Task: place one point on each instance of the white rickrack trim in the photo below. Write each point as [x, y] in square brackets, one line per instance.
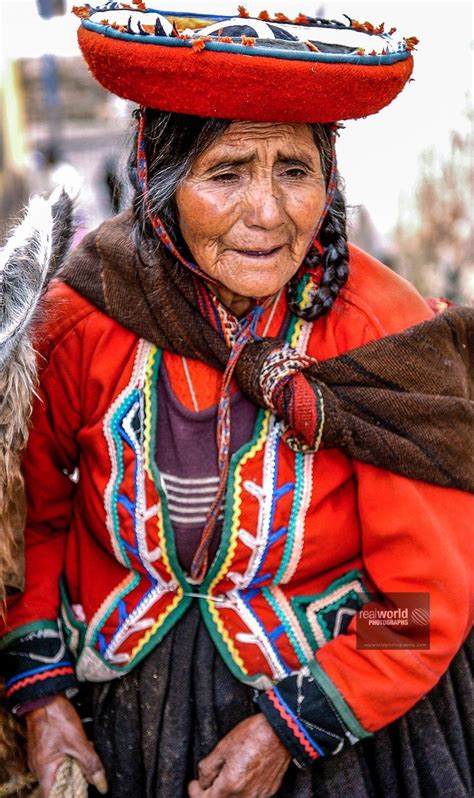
[300, 522]
[136, 381]
[292, 620]
[264, 496]
[325, 601]
[128, 627]
[256, 635]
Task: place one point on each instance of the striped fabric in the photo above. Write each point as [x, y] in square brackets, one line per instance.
[189, 499]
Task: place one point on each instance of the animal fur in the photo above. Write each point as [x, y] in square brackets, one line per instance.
[28, 261]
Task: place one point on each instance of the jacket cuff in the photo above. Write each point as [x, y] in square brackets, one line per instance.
[305, 718]
[30, 706]
[36, 664]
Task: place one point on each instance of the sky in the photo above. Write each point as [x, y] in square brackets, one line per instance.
[378, 156]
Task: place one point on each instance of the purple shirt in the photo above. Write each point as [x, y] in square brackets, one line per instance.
[186, 455]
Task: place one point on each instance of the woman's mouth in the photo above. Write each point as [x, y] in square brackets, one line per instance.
[259, 253]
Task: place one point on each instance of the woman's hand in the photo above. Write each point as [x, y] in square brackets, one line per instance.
[249, 762]
[54, 732]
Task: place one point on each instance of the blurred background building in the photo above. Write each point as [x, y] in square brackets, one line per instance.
[409, 171]
[58, 125]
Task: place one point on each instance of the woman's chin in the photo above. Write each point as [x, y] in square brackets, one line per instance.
[264, 279]
[256, 290]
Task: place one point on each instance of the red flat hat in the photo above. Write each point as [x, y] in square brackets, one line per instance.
[265, 70]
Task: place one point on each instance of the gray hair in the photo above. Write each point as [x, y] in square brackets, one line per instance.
[172, 144]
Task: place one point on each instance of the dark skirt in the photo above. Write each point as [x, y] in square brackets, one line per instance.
[152, 726]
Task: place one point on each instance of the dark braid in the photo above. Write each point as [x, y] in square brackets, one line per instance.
[334, 261]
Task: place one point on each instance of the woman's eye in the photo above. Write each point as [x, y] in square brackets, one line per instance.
[295, 171]
[226, 177]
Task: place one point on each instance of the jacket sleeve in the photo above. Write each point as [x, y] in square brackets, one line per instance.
[35, 661]
[416, 539]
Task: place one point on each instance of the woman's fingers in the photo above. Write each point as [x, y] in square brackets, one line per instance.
[99, 780]
[90, 764]
[47, 775]
[54, 732]
[249, 762]
[209, 768]
[46, 778]
[194, 790]
[223, 789]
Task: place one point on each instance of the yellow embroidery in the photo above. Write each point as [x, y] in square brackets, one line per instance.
[147, 432]
[159, 621]
[299, 324]
[296, 333]
[149, 391]
[108, 604]
[234, 532]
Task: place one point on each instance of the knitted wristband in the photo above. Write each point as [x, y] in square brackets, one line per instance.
[36, 664]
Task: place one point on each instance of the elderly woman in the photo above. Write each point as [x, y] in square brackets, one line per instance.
[217, 494]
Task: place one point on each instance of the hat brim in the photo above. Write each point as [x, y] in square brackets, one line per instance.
[231, 81]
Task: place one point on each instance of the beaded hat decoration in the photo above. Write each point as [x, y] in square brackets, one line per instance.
[268, 69]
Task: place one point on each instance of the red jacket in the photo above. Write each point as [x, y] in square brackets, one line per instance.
[306, 537]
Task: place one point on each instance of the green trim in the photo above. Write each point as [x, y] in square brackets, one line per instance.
[161, 632]
[291, 534]
[291, 328]
[78, 626]
[92, 633]
[300, 605]
[300, 288]
[168, 533]
[286, 624]
[66, 603]
[154, 640]
[337, 699]
[225, 653]
[334, 606]
[235, 460]
[129, 399]
[21, 631]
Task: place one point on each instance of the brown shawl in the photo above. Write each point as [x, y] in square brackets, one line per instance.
[401, 403]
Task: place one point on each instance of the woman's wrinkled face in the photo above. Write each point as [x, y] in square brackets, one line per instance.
[249, 207]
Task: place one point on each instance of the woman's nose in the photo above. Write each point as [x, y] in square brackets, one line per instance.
[264, 205]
